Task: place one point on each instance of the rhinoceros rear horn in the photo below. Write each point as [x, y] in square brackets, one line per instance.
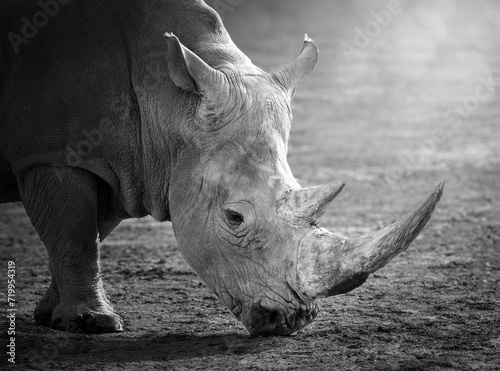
[190, 72]
[300, 67]
[331, 264]
[304, 207]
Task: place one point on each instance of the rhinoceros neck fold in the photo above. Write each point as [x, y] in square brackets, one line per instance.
[165, 111]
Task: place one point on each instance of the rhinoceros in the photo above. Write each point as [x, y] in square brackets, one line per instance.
[87, 140]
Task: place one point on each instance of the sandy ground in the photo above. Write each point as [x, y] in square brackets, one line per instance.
[435, 307]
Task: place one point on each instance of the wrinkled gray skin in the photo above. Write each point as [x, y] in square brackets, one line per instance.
[203, 145]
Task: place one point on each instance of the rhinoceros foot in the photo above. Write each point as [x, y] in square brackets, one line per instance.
[46, 306]
[80, 318]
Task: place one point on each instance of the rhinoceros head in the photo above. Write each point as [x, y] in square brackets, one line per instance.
[241, 219]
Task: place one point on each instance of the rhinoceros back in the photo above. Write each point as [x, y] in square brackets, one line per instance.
[60, 83]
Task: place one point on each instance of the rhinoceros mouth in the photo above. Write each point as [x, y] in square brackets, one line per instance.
[266, 321]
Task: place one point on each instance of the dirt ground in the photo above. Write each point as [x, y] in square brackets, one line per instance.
[434, 307]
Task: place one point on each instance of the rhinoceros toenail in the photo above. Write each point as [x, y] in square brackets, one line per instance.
[56, 323]
[74, 326]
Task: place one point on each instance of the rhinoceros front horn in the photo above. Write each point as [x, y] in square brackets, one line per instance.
[331, 264]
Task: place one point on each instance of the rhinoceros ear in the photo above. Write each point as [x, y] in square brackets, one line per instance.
[300, 67]
[190, 72]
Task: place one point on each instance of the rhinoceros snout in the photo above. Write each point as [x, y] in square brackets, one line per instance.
[265, 321]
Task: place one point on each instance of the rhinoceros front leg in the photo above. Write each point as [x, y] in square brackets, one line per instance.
[64, 213]
[46, 305]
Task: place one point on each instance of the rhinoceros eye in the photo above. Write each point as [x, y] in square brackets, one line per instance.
[234, 218]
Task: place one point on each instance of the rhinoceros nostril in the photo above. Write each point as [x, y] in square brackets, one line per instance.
[274, 316]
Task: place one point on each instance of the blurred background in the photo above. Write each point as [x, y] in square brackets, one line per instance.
[404, 94]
